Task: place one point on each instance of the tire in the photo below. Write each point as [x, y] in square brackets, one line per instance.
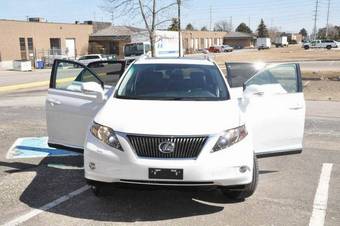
[328, 47]
[306, 47]
[96, 189]
[95, 186]
[248, 190]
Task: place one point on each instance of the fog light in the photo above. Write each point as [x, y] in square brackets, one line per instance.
[92, 165]
[244, 169]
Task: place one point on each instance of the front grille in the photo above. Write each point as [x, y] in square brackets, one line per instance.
[185, 147]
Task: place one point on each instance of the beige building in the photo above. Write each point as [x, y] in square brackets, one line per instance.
[29, 40]
[194, 41]
[112, 39]
[239, 40]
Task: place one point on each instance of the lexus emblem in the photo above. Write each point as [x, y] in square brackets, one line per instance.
[166, 147]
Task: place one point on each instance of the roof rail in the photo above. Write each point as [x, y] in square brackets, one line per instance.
[208, 57]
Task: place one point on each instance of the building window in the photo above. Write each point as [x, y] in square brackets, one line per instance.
[30, 47]
[23, 53]
[202, 43]
[55, 46]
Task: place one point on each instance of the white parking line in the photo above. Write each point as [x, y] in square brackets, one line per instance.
[48, 206]
[321, 197]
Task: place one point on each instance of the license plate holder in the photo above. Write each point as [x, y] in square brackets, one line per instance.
[159, 173]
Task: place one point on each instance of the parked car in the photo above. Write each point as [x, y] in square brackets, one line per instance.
[220, 49]
[226, 48]
[328, 44]
[86, 59]
[175, 122]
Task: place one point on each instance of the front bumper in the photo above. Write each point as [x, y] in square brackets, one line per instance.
[221, 168]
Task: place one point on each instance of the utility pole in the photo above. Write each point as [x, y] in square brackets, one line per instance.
[210, 18]
[249, 21]
[327, 26]
[315, 17]
[179, 28]
[112, 18]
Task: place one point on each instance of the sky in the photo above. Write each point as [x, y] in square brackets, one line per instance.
[286, 15]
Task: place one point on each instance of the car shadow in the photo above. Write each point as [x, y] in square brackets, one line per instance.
[59, 176]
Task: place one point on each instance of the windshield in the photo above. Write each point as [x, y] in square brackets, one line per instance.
[173, 82]
[135, 49]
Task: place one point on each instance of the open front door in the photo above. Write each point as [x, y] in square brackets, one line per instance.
[70, 108]
[276, 109]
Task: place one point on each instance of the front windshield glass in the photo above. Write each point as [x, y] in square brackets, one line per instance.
[173, 82]
[135, 49]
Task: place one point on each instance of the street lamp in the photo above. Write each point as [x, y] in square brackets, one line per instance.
[179, 27]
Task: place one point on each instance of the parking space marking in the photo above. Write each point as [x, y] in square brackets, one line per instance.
[321, 196]
[46, 207]
[10, 88]
[35, 147]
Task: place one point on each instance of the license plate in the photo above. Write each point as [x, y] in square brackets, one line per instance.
[173, 174]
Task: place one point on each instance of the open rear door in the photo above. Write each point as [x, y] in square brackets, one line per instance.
[276, 109]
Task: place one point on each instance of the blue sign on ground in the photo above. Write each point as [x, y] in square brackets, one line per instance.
[35, 147]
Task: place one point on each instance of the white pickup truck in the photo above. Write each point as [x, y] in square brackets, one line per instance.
[328, 44]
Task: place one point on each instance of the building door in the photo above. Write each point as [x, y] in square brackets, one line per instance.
[70, 48]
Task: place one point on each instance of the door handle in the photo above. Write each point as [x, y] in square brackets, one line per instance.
[53, 101]
[296, 107]
[260, 93]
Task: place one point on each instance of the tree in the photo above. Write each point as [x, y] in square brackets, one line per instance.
[204, 28]
[262, 31]
[174, 25]
[333, 33]
[303, 32]
[223, 25]
[243, 28]
[151, 14]
[189, 27]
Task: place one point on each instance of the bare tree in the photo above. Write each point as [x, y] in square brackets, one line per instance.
[152, 14]
[223, 25]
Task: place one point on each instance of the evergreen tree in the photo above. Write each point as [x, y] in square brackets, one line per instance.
[243, 28]
[262, 31]
[174, 25]
[189, 27]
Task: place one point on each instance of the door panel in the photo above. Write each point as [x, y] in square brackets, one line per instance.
[276, 110]
[68, 116]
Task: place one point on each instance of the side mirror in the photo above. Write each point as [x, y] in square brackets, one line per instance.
[253, 90]
[93, 87]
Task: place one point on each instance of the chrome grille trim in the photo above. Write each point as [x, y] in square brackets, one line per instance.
[185, 147]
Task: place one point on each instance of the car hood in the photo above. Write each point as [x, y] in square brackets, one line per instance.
[169, 117]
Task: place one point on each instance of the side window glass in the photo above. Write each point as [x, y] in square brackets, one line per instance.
[70, 76]
[147, 48]
[284, 75]
[108, 72]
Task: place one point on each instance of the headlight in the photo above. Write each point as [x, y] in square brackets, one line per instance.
[230, 137]
[106, 135]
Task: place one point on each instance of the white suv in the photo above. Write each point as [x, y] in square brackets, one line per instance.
[175, 122]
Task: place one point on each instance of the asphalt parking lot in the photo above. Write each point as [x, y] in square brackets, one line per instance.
[52, 191]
